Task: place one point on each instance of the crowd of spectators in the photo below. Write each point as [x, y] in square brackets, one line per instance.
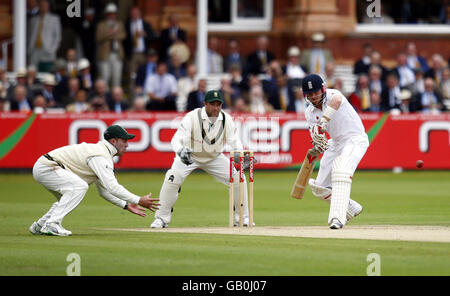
[412, 85]
[130, 67]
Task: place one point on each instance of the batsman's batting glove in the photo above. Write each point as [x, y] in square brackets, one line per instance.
[321, 144]
[185, 155]
[318, 133]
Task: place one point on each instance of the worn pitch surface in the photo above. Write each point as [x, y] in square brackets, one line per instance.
[370, 232]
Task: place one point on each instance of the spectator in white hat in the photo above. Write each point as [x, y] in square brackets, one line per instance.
[293, 68]
[84, 74]
[405, 101]
[316, 57]
[110, 53]
[48, 91]
[21, 79]
[294, 73]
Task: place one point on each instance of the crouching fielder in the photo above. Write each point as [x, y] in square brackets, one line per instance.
[198, 143]
[68, 171]
[330, 111]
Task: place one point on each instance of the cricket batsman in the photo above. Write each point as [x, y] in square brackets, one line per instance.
[329, 111]
[68, 171]
[198, 143]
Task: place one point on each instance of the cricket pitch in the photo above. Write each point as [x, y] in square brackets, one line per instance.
[366, 232]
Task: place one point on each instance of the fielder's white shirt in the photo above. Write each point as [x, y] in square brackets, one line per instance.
[107, 184]
[345, 123]
[94, 166]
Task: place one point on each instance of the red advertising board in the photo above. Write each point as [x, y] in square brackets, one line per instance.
[279, 140]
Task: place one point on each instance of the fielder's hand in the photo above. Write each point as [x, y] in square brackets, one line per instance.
[149, 203]
[135, 209]
[185, 155]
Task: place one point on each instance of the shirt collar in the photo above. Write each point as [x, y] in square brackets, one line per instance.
[111, 149]
[205, 116]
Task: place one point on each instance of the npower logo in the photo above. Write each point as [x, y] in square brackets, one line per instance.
[258, 134]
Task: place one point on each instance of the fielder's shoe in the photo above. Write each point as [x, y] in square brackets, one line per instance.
[335, 224]
[159, 223]
[55, 229]
[35, 228]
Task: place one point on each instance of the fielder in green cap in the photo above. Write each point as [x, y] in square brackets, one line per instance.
[68, 171]
[199, 143]
[214, 95]
[118, 132]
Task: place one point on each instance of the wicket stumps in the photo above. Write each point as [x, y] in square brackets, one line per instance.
[241, 187]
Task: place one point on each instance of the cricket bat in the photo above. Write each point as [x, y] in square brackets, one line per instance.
[304, 174]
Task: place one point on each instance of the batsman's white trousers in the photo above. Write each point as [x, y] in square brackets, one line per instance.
[68, 188]
[219, 168]
[344, 157]
[353, 150]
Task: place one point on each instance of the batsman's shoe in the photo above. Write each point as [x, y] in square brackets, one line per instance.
[159, 223]
[35, 228]
[55, 229]
[352, 215]
[246, 222]
[335, 224]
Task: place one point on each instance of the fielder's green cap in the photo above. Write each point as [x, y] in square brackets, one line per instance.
[116, 131]
[214, 95]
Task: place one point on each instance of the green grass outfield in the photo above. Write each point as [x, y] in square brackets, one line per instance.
[410, 198]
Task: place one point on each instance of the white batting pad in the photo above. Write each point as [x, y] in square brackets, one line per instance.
[341, 179]
[236, 187]
[168, 195]
[324, 193]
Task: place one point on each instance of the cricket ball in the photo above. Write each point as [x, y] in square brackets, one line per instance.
[419, 164]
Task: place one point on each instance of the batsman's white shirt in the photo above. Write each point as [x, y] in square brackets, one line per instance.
[345, 123]
[347, 135]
